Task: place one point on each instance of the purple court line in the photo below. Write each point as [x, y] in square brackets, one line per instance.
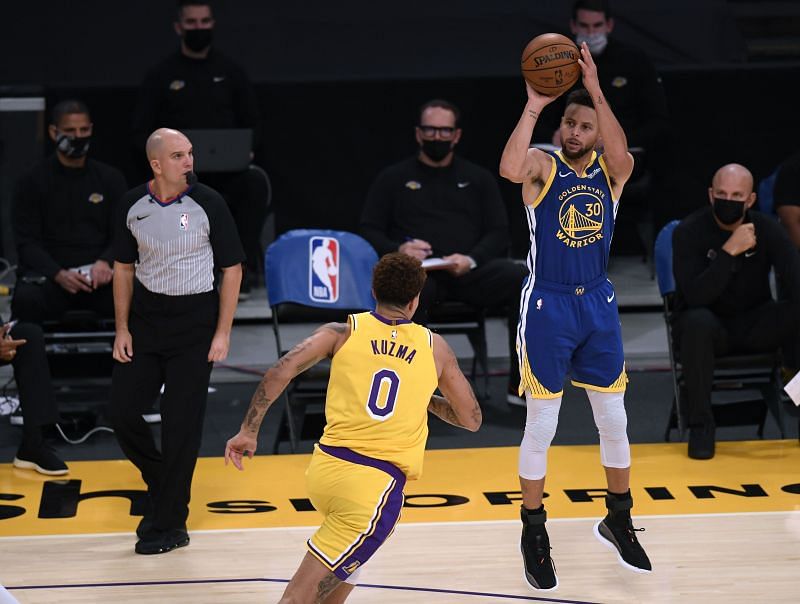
[267, 580]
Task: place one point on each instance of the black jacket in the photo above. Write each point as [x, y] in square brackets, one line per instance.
[64, 217]
[707, 276]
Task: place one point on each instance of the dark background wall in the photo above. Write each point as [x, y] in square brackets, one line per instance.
[340, 82]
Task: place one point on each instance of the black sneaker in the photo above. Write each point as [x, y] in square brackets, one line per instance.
[702, 440]
[43, 459]
[161, 542]
[540, 572]
[616, 532]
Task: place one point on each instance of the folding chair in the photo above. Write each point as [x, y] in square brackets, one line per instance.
[734, 372]
[314, 276]
[461, 318]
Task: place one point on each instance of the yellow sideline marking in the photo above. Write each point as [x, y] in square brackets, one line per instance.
[458, 485]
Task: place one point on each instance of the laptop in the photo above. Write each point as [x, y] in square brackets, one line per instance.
[221, 149]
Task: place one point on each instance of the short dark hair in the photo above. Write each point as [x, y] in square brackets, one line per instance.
[182, 3]
[397, 278]
[600, 6]
[67, 107]
[579, 96]
[444, 105]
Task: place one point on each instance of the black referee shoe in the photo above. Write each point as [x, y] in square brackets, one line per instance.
[540, 572]
[161, 542]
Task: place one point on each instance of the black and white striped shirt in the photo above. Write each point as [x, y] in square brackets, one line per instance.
[176, 243]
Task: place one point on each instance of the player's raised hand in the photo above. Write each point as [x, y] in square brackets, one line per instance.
[589, 69]
[540, 100]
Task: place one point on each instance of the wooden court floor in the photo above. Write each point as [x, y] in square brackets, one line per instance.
[727, 530]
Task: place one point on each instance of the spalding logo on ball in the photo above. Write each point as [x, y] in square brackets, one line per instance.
[550, 64]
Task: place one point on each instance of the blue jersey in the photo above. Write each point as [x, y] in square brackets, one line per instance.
[571, 223]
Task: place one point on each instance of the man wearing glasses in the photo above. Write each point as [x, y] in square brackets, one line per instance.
[439, 205]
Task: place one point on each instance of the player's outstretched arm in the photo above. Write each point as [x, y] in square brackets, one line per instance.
[323, 343]
[615, 143]
[459, 405]
[519, 162]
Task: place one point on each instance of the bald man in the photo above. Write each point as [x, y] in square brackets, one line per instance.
[722, 257]
[173, 316]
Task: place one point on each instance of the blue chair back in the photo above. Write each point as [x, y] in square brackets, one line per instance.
[766, 198]
[663, 257]
[321, 269]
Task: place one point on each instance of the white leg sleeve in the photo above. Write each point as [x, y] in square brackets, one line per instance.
[611, 421]
[540, 428]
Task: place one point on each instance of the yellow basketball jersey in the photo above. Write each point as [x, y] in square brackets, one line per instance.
[381, 382]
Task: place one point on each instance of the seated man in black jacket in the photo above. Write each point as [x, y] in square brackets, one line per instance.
[722, 257]
[439, 205]
[63, 225]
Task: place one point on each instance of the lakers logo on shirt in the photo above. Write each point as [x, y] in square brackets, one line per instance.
[581, 216]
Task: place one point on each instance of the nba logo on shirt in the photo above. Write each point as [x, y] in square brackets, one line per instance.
[323, 269]
[184, 223]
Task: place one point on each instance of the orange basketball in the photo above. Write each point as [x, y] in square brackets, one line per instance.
[550, 64]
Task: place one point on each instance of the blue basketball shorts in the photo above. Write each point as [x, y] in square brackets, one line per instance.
[569, 329]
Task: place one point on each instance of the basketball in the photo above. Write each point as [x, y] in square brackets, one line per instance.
[550, 64]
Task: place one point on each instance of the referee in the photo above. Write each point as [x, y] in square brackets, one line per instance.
[171, 325]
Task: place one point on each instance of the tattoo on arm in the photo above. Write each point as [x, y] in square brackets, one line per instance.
[441, 408]
[534, 114]
[259, 405]
[326, 587]
[600, 99]
[284, 360]
[337, 327]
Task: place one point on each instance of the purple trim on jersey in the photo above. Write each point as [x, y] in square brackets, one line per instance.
[390, 321]
[386, 517]
[169, 201]
[353, 457]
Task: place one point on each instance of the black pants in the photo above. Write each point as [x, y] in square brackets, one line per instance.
[700, 335]
[246, 194]
[49, 301]
[495, 284]
[171, 339]
[32, 375]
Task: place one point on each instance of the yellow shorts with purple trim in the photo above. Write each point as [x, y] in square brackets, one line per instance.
[361, 499]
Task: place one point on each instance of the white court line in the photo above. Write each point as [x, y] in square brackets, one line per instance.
[314, 527]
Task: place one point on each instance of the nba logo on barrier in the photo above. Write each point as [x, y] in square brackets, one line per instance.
[323, 269]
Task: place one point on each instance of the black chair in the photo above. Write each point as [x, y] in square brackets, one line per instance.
[449, 318]
[297, 295]
[746, 374]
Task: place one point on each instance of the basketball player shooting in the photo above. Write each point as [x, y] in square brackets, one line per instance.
[569, 321]
[384, 371]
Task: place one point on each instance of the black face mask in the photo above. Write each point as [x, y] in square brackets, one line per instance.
[73, 146]
[435, 149]
[197, 40]
[728, 211]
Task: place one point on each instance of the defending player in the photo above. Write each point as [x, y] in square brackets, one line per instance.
[568, 315]
[384, 371]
